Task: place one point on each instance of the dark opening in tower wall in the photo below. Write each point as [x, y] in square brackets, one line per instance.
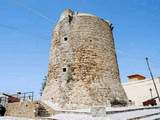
[64, 69]
[65, 38]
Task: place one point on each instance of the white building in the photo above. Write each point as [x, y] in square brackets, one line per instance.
[140, 90]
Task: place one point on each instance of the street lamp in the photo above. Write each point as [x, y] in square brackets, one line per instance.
[151, 92]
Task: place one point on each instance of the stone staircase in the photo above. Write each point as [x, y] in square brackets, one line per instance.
[44, 110]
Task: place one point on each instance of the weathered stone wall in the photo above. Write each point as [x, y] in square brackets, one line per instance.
[83, 68]
[28, 109]
[22, 109]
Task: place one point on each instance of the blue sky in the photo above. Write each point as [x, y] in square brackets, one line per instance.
[26, 27]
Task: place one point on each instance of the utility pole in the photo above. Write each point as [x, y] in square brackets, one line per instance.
[147, 61]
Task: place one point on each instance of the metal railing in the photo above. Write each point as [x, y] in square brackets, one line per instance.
[19, 97]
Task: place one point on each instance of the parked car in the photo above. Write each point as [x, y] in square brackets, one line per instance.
[2, 110]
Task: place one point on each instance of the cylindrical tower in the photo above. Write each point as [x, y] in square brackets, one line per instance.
[83, 68]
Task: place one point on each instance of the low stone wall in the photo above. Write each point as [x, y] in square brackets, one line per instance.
[22, 109]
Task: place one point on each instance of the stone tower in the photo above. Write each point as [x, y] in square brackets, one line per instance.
[83, 68]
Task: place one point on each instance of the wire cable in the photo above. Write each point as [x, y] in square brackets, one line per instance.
[8, 27]
[42, 37]
[34, 11]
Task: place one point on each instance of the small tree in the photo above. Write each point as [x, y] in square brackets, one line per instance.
[43, 85]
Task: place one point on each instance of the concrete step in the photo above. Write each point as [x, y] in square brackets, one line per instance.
[42, 111]
[145, 116]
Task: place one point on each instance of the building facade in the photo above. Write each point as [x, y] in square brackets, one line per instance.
[141, 90]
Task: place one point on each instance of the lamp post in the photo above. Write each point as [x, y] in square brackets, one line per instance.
[151, 92]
